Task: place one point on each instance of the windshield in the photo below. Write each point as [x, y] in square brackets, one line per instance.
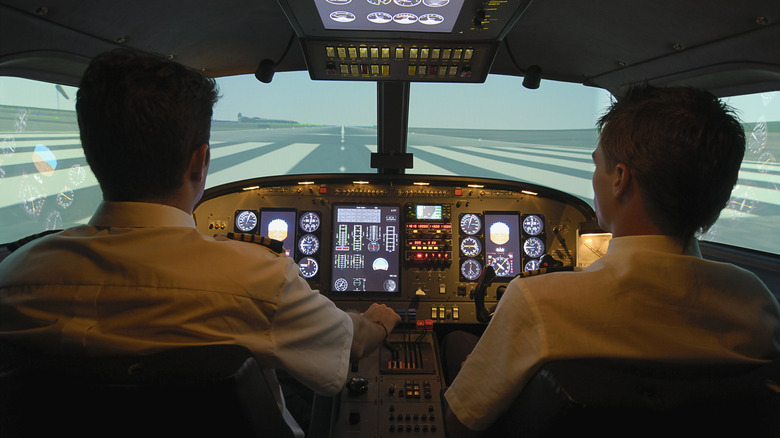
[294, 125]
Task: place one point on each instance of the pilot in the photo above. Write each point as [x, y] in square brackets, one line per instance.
[139, 277]
[666, 163]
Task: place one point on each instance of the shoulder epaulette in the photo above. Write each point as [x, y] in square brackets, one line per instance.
[541, 271]
[274, 245]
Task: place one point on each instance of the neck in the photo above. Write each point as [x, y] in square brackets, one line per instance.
[180, 199]
[633, 219]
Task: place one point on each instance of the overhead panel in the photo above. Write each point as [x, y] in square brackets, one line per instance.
[401, 40]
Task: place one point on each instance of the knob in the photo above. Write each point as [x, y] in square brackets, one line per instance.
[357, 385]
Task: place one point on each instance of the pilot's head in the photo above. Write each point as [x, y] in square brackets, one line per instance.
[683, 147]
[141, 118]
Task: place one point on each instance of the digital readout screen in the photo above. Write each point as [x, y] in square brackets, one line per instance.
[389, 15]
[366, 257]
[279, 225]
[502, 243]
[428, 212]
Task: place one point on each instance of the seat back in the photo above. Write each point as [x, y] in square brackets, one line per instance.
[214, 390]
[614, 397]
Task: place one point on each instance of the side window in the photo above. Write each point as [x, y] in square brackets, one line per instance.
[751, 217]
[45, 182]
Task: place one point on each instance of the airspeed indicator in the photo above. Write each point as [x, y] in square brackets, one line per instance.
[470, 224]
[246, 221]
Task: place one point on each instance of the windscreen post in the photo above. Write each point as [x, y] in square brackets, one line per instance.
[392, 127]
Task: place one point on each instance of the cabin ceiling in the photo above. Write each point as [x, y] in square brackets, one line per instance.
[726, 46]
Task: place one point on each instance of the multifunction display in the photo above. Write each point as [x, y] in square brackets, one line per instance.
[279, 225]
[392, 15]
[365, 253]
[502, 243]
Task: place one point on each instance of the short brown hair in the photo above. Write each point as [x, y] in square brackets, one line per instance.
[141, 117]
[684, 147]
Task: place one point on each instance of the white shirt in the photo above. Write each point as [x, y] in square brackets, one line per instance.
[140, 278]
[644, 299]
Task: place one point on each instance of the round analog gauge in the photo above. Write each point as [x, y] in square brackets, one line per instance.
[341, 284]
[65, 198]
[342, 16]
[379, 17]
[308, 244]
[431, 19]
[470, 224]
[32, 198]
[54, 221]
[390, 285]
[502, 266]
[77, 174]
[246, 221]
[309, 221]
[531, 265]
[533, 225]
[308, 267]
[470, 269]
[533, 247]
[470, 246]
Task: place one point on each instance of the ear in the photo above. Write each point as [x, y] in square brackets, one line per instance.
[622, 181]
[199, 163]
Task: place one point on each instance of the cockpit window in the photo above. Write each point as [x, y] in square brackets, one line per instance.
[501, 129]
[294, 125]
[291, 126]
[751, 217]
[45, 182]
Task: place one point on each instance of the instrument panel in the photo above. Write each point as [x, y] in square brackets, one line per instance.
[416, 243]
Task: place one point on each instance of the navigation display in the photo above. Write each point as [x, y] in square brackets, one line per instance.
[366, 257]
[428, 212]
[392, 15]
[502, 243]
[279, 224]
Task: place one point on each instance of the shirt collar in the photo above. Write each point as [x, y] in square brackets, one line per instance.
[139, 214]
[654, 243]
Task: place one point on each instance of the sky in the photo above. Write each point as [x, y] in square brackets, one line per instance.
[500, 103]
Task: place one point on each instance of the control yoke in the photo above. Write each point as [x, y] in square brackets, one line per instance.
[547, 264]
[485, 280]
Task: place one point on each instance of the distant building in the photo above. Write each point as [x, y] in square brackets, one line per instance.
[260, 122]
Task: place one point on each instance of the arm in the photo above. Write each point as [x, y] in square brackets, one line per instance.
[496, 370]
[368, 332]
[456, 429]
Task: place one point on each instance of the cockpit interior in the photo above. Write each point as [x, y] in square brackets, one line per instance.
[399, 148]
